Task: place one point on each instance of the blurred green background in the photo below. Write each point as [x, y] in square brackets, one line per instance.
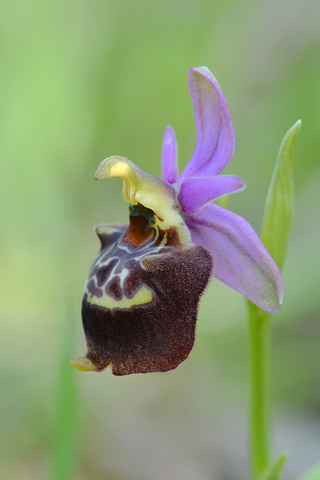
[82, 80]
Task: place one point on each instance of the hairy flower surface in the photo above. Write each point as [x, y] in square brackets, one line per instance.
[141, 298]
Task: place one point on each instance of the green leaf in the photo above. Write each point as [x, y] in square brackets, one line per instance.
[279, 206]
[313, 474]
[274, 469]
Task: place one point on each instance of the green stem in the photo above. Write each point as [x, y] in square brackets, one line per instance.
[65, 435]
[260, 425]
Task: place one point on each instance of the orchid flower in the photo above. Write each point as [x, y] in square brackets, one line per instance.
[141, 298]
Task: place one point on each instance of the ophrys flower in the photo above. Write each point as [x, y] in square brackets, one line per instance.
[141, 298]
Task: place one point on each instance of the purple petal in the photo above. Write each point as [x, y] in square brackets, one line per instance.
[169, 156]
[215, 134]
[241, 260]
[197, 192]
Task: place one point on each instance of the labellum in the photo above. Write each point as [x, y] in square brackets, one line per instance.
[141, 297]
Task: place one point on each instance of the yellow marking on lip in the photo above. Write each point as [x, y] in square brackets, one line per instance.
[83, 364]
[143, 296]
[164, 240]
[106, 229]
